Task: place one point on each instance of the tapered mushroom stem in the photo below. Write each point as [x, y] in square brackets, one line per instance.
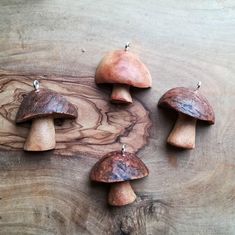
[41, 136]
[183, 133]
[121, 94]
[121, 194]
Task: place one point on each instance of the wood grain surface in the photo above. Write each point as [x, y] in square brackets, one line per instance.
[100, 125]
[60, 43]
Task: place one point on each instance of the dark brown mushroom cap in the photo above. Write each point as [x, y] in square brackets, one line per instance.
[44, 102]
[114, 167]
[123, 67]
[189, 102]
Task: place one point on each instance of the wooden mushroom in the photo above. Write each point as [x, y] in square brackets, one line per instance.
[122, 69]
[191, 106]
[118, 168]
[42, 106]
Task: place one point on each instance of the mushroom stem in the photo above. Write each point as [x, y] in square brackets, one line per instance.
[183, 133]
[41, 136]
[121, 94]
[121, 194]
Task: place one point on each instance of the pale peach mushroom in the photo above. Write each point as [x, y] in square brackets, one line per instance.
[191, 106]
[42, 106]
[117, 169]
[123, 69]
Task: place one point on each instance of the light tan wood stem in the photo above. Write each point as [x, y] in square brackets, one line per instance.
[41, 136]
[183, 133]
[121, 94]
[121, 194]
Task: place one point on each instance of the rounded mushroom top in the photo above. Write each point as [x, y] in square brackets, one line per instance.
[190, 102]
[44, 102]
[117, 167]
[123, 67]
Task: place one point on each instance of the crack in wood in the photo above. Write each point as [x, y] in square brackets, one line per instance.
[145, 216]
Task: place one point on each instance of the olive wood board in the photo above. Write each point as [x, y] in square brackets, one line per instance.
[60, 43]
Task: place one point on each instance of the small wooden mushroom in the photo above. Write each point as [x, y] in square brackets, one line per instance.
[41, 106]
[122, 69]
[191, 106]
[118, 168]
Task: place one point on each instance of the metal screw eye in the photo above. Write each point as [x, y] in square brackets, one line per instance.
[127, 46]
[36, 85]
[123, 149]
[198, 85]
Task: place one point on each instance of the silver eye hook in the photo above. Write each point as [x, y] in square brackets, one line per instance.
[123, 149]
[198, 85]
[127, 46]
[36, 85]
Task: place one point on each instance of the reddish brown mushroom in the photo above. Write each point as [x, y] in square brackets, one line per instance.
[123, 69]
[41, 106]
[191, 106]
[118, 168]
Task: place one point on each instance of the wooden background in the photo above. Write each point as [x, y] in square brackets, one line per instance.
[60, 43]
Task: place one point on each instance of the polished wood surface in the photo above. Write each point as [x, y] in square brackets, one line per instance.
[61, 43]
[99, 128]
[184, 132]
[41, 136]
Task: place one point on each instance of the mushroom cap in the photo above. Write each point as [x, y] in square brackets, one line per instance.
[44, 103]
[114, 167]
[189, 102]
[123, 67]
